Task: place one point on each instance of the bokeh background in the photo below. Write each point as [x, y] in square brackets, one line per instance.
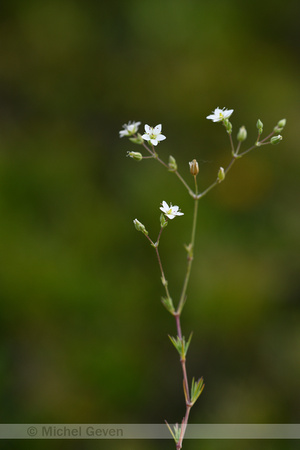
[83, 332]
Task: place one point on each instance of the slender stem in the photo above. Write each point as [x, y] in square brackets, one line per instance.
[178, 175]
[186, 387]
[163, 278]
[183, 427]
[238, 148]
[148, 149]
[231, 143]
[155, 156]
[177, 315]
[230, 164]
[182, 360]
[178, 326]
[184, 183]
[190, 249]
[155, 245]
[215, 183]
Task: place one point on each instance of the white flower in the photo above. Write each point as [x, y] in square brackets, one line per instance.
[153, 134]
[170, 211]
[220, 114]
[129, 129]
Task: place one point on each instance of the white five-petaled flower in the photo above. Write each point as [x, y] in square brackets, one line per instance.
[220, 114]
[170, 211]
[130, 129]
[153, 134]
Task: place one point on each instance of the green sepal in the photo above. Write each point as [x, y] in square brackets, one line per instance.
[137, 140]
[221, 175]
[242, 134]
[137, 156]
[259, 126]
[172, 164]
[140, 227]
[163, 221]
[228, 126]
[276, 139]
[280, 126]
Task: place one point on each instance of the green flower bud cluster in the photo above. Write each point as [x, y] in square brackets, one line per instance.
[259, 126]
[280, 126]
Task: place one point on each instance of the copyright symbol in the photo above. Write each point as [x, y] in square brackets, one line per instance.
[32, 431]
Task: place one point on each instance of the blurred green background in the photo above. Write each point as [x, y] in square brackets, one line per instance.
[83, 332]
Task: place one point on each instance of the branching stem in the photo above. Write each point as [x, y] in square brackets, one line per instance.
[190, 256]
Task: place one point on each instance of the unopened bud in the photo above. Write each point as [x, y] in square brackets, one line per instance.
[259, 126]
[194, 167]
[276, 139]
[228, 126]
[280, 126]
[135, 155]
[221, 174]
[282, 123]
[163, 221]
[139, 226]
[242, 134]
[137, 140]
[172, 164]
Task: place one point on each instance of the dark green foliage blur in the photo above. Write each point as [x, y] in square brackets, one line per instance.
[83, 332]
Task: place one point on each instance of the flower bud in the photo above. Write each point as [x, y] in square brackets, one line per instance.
[135, 155]
[259, 126]
[276, 139]
[139, 226]
[280, 126]
[242, 134]
[163, 221]
[137, 140]
[221, 175]
[172, 164]
[194, 167]
[281, 123]
[228, 126]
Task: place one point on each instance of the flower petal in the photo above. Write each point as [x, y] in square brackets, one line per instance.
[160, 137]
[165, 206]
